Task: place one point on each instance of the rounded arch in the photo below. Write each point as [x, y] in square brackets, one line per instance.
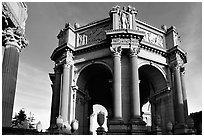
[91, 63]
[154, 65]
[152, 81]
[95, 83]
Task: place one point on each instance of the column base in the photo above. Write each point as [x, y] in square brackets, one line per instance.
[117, 127]
[180, 129]
[100, 131]
[157, 131]
[138, 126]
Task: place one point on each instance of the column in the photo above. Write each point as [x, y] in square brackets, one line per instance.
[179, 97]
[13, 41]
[117, 99]
[65, 91]
[184, 93]
[71, 96]
[56, 96]
[135, 93]
[114, 13]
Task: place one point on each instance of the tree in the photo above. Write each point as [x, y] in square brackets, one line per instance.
[30, 121]
[20, 120]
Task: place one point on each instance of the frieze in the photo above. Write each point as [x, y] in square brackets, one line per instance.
[152, 38]
[125, 41]
[95, 34]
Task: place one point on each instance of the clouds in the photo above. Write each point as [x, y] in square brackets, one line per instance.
[191, 36]
[33, 92]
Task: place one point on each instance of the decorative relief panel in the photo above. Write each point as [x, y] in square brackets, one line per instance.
[152, 37]
[93, 35]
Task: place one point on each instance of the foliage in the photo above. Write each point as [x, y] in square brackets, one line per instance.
[20, 120]
[30, 121]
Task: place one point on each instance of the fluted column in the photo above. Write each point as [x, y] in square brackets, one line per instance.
[65, 91]
[117, 99]
[13, 40]
[56, 96]
[135, 93]
[184, 92]
[179, 97]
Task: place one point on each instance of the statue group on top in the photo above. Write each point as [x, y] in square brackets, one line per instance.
[124, 16]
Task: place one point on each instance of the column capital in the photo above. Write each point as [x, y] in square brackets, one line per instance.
[182, 70]
[116, 50]
[67, 66]
[58, 68]
[14, 37]
[134, 50]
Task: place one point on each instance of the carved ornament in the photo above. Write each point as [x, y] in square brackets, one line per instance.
[15, 37]
[116, 50]
[152, 38]
[134, 50]
[82, 39]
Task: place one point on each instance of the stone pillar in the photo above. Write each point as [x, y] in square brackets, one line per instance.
[13, 41]
[134, 14]
[65, 91]
[135, 93]
[114, 13]
[179, 97]
[184, 93]
[56, 97]
[117, 99]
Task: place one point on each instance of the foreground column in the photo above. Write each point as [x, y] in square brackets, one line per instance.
[117, 114]
[135, 93]
[13, 41]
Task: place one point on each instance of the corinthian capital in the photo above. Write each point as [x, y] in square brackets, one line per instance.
[134, 51]
[14, 37]
[182, 70]
[116, 50]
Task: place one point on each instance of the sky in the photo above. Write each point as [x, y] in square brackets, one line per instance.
[33, 91]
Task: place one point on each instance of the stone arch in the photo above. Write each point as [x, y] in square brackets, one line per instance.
[155, 65]
[94, 84]
[88, 64]
[152, 83]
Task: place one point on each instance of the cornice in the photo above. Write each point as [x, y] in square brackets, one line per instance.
[150, 26]
[94, 23]
[60, 50]
[124, 32]
[91, 47]
[153, 49]
[178, 50]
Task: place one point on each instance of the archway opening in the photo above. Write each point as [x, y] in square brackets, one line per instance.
[95, 87]
[152, 81]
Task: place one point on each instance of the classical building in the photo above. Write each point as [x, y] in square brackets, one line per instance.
[14, 15]
[123, 64]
